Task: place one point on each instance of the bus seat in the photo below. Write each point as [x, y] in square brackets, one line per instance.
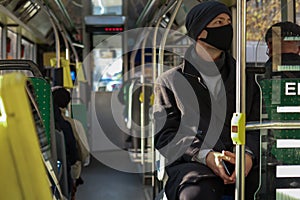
[61, 157]
[19, 142]
[43, 95]
[42, 90]
[162, 176]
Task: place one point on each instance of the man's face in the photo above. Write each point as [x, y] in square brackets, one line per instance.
[282, 46]
[221, 20]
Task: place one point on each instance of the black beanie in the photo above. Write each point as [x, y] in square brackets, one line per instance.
[201, 15]
[288, 29]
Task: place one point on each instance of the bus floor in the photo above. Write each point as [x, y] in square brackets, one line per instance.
[102, 182]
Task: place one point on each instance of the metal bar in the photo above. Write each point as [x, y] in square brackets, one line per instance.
[272, 125]
[164, 39]
[176, 46]
[63, 34]
[154, 47]
[240, 95]
[292, 11]
[76, 91]
[57, 43]
[288, 10]
[52, 19]
[154, 76]
[64, 12]
[143, 101]
[72, 48]
[134, 53]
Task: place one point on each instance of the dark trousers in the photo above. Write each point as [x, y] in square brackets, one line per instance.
[189, 181]
[214, 189]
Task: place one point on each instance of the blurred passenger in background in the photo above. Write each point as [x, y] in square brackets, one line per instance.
[61, 99]
[283, 41]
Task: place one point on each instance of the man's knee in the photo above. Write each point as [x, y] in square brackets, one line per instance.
[209, 189]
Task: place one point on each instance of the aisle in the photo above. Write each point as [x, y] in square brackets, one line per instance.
[104, 183]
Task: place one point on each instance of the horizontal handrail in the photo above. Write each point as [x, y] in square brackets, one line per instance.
[20, 64]
[272, 125]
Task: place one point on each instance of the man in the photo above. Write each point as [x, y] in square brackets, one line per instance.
[284, 51]
[61, 99]
[194, 104]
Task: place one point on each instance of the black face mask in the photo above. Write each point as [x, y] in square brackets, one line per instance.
[219, 37]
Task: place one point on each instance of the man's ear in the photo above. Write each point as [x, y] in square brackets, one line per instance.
[203, 34]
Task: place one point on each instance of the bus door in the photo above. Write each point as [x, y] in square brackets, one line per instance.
[106, 62]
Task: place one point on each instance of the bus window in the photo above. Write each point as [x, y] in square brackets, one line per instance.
[1, 54]
[26, 50]
[11, 45]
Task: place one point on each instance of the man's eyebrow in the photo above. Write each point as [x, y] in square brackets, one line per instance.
[222, 18]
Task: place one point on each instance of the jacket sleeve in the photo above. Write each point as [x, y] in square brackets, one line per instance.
[174, 139]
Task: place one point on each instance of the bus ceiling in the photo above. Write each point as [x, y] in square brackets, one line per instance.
[154, 9]
[32, 19]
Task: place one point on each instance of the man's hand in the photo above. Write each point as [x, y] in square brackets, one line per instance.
[213, 161]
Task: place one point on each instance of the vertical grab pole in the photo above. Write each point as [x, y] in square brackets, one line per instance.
[154, 76]
[142, 79]
[240, 98]
[164, 39]
[57, 43]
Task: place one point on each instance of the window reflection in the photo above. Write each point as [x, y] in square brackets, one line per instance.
[107, 7]
[108, 63]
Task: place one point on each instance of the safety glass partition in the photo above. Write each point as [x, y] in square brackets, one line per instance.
[280, 104]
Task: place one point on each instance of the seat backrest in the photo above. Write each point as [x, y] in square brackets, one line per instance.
[26, 179]
[61, 156]
[42, 90]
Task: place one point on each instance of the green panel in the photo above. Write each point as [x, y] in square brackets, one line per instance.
[43, 94]
[286, 155]
[274, 95]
